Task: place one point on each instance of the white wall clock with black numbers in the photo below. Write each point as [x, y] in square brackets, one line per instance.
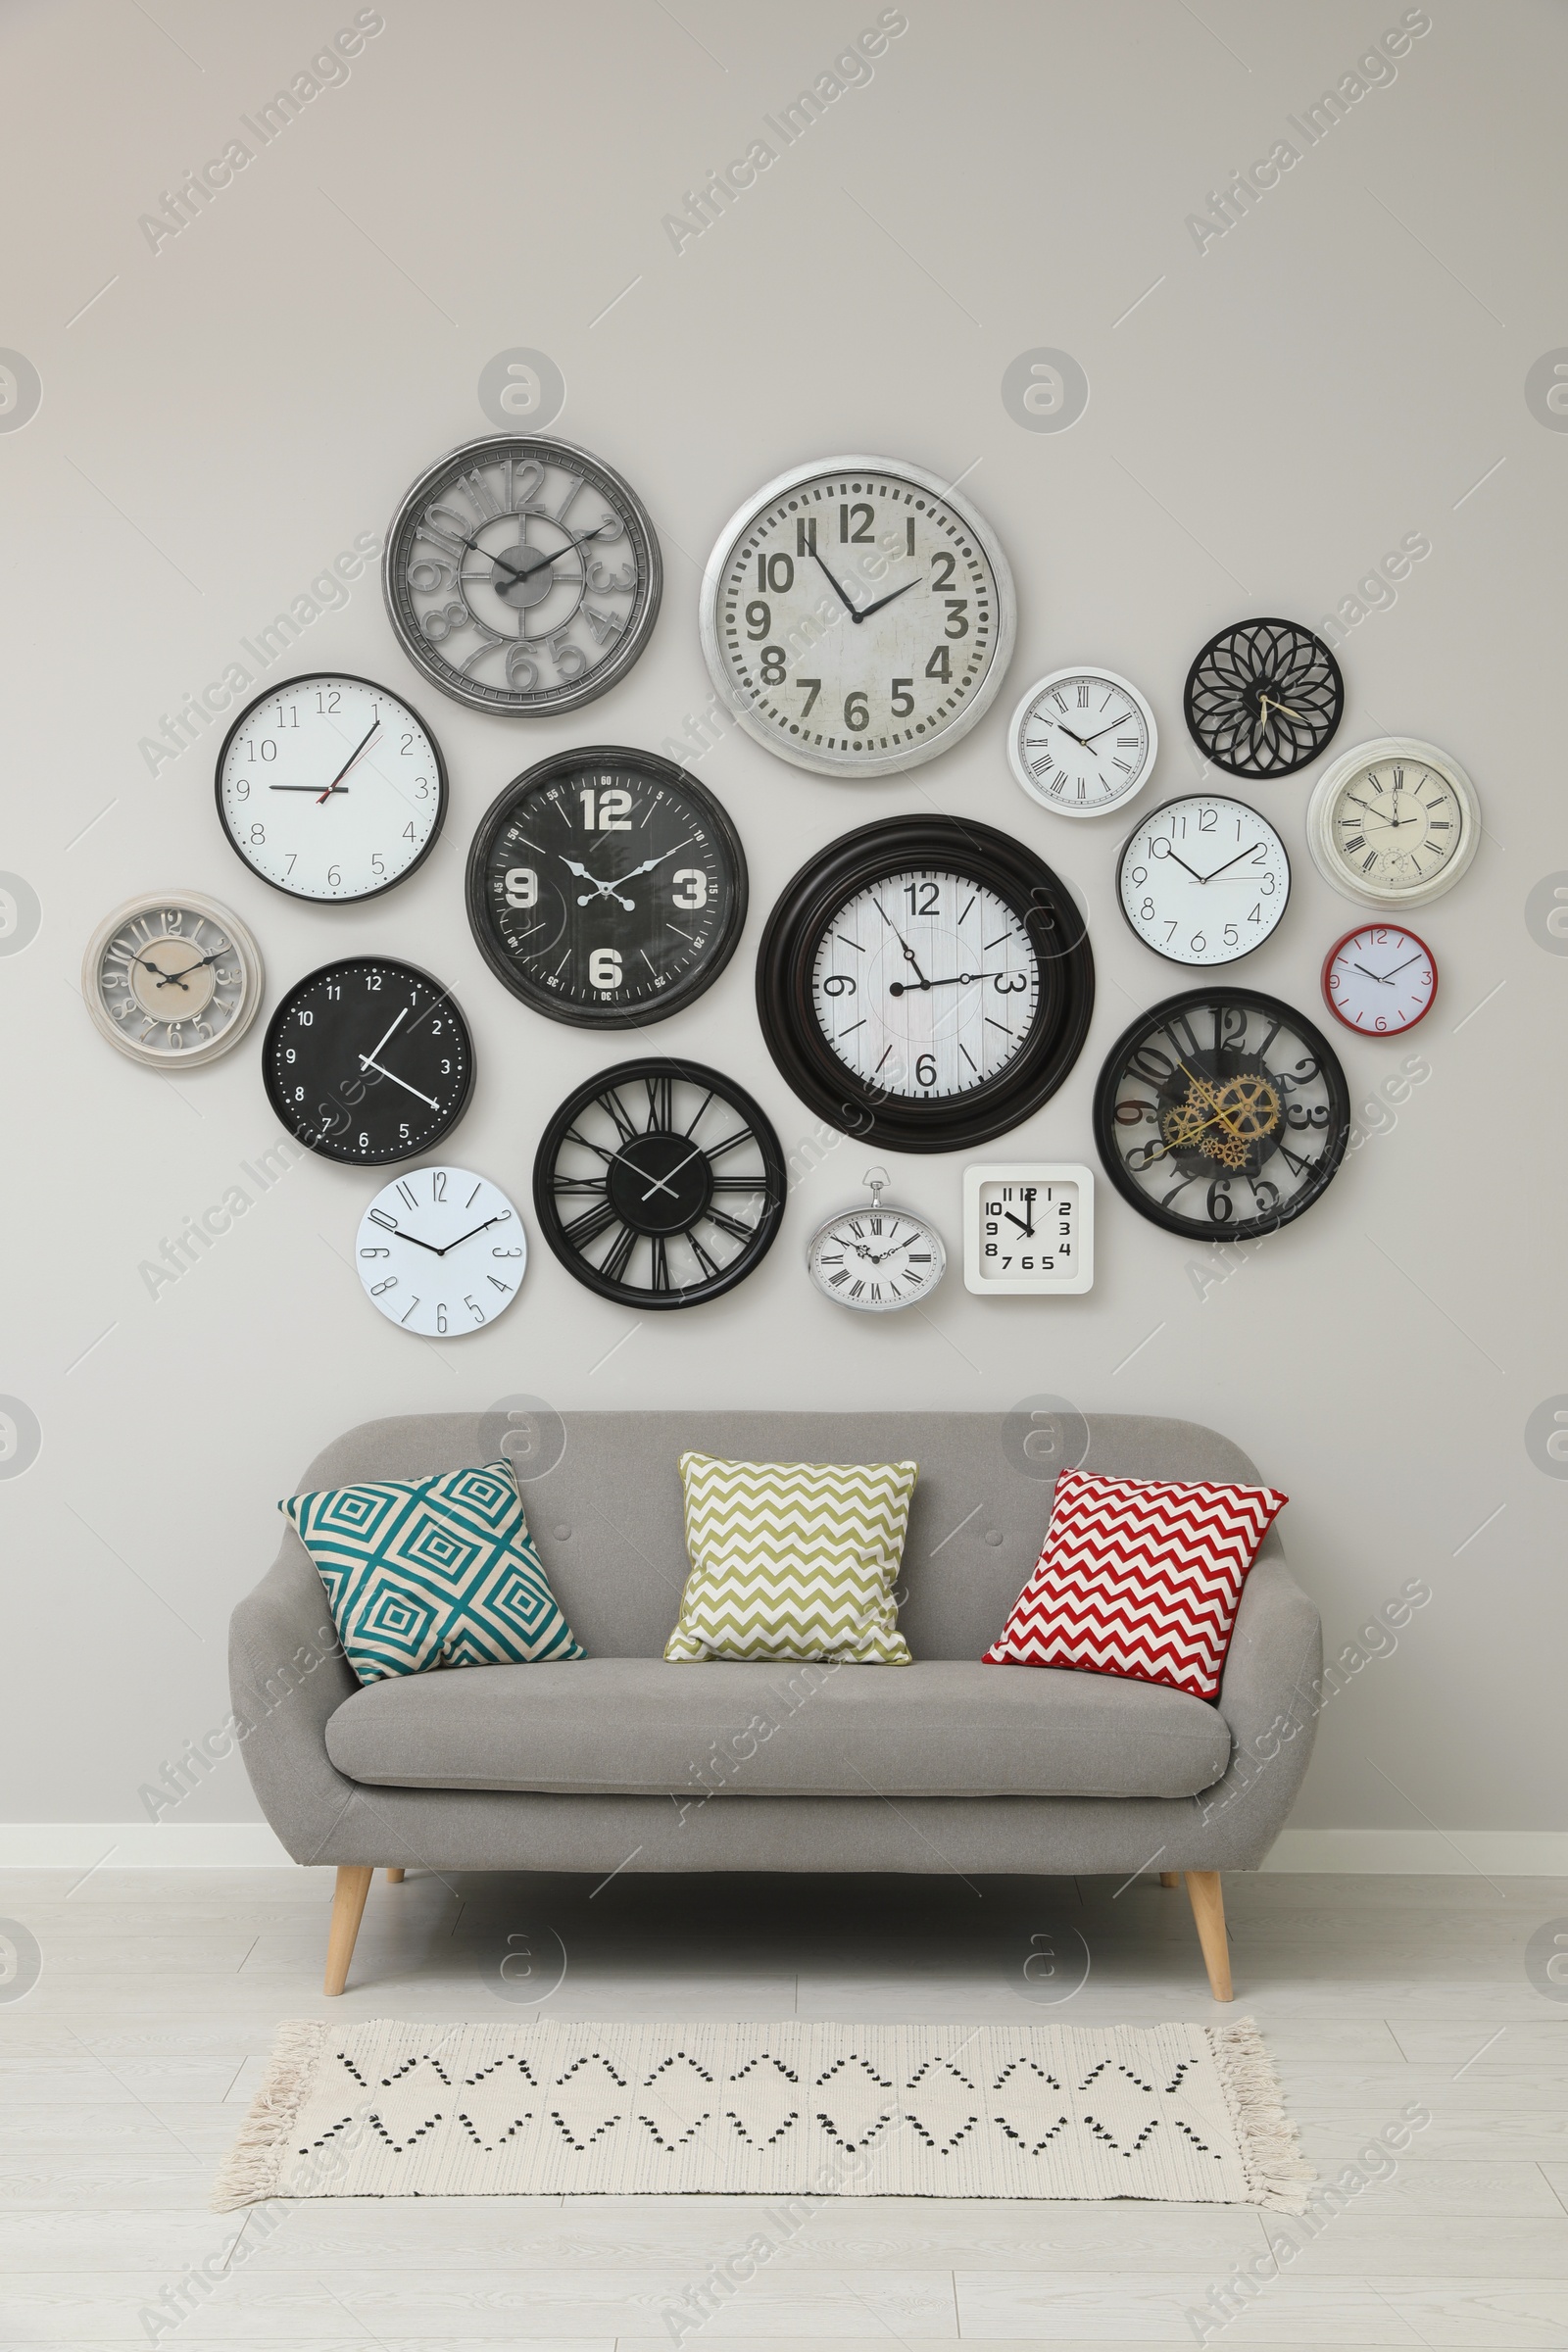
[1263, 698]
[331, 787]
[441, 1251]
[858, 615]
[876, 1258]
[1203, 880]
[1029, 1229]
[1380, 980]
[522, 575]
[1082, 741]
[925, 983]
[606, 887]
[172, 981]
[1221, 1114]
[368, 1061]
[659, 1184]
[1394, 822]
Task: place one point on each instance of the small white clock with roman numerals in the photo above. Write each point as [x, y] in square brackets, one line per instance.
[1029, 1229]
[876, 1259]
[1082, 741]
[441, 1251]
[1394, 822]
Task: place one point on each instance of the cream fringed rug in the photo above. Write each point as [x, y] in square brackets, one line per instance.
[1187, 2113]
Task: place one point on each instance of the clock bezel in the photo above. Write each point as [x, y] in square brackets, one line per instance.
[1320, 821]
[680, 994]
[339, 1159]
[1026, 701]
[1265, 775]
[1180, 800]
[786, 955]
[211, 910]
[1332, 958]
[853, 770]
[1028, 1285]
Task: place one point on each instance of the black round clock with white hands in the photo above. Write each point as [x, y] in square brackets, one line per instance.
[1263, 698]
[521, 574]
[606, 887]
[368, 1061]
[1221, 1114]
[925, 983]
[659, 1184]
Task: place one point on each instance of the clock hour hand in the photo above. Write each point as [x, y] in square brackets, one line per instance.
[837, 590]
[179, 978]
[537, 556]
[415, 1238]
[1018, 1221]
[606, 890]
[1083, 740]
[1163, 844]
[866, 610]
[1382, 977]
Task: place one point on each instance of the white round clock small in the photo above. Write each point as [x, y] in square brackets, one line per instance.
[1082, 741]
[876, 1259]
[1380, 980]
[441, 1251]
[1203, 880]
[1394, 822]
[173, 981]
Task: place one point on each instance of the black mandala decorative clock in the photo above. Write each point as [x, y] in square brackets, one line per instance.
[1263, 698]
[659, 1184]
[1221, 1114]
[368, 1061]
[606, 887]
[925, 983]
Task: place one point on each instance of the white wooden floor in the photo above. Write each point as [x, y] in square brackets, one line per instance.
[125, 2072]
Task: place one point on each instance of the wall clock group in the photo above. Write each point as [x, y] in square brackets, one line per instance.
[923, 983]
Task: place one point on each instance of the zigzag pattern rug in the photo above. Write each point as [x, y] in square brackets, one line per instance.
[1190, 2113]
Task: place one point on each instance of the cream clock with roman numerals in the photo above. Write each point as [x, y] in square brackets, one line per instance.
[1082, 741]
[441, 1251]
[1029, 1229]
[1394, 822]
[173, 981]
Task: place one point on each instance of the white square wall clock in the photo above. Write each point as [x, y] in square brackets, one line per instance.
[1028, 1230]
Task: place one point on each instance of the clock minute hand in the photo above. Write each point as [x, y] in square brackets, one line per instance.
[371, 730]
[1229, 863]
[837, 590]
[648, 864]
[467, 1236]
[368, 1061]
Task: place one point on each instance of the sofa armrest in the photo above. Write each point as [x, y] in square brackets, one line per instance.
[287, 1675]
[1269, 1698]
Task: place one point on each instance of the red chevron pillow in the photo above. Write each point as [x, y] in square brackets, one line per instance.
[1138, 1577]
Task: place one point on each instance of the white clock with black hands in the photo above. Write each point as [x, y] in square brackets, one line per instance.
[441, 1251]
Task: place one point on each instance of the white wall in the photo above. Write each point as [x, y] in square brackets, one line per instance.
[1336, 371]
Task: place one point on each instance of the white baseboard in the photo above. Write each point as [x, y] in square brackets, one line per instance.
[251, 1846]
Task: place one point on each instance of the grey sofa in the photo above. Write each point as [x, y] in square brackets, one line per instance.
[622, 1761]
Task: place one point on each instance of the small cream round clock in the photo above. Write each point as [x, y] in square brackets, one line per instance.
[1394, 822]
[172, 981]
[441, 1251]
[1082, 741]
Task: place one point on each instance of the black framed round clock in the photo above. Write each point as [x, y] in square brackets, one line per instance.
[368, 1061]
[1263, 698]
[1221, 1114]
[659, 1184]
[606, 887]
[925, 983]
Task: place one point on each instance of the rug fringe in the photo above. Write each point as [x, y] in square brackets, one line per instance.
[1267, 2138]
[249, 2172]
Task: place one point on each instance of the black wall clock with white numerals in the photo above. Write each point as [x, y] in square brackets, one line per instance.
[659, 1184]
[606, 887]
[1263, 698]
[521, 576]
[925, 983]
[1221, 1114]
[368, 1061]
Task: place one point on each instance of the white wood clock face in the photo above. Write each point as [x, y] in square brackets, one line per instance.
[441, 1251]
[1082, 741]
[1380, 980]
[1029, 1229]
[858, 615]
[331, 788]
[1203, 880]
[1394, 822]
[172, 981]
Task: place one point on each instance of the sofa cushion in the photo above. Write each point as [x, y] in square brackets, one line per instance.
[639, 1727]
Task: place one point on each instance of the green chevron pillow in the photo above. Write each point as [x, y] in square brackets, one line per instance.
[793, 1560]
[432, 1572]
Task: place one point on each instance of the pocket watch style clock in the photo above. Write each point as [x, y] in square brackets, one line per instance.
[331, 788]
[1394, 822]
[1082, 741]
[925, 983]
[1029, 1231]
[1263, 698]
[368, 1061]
[858, 615]
[1221, 1114]
[1380, 980]
[441, 1251]
[1203, 880]
[521, 576]
[173, 980]
[606, 887]
[659, 1184]
[878, 1258]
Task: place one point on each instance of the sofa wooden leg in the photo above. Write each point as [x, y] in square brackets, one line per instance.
[348, 1909]
[1208, 1913]
[1170, 1878]
[394, 1878]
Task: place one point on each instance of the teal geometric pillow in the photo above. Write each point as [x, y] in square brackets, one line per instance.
[434, 1572]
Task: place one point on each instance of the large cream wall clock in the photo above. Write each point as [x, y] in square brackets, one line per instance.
[1394, 822]
[858, 615]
